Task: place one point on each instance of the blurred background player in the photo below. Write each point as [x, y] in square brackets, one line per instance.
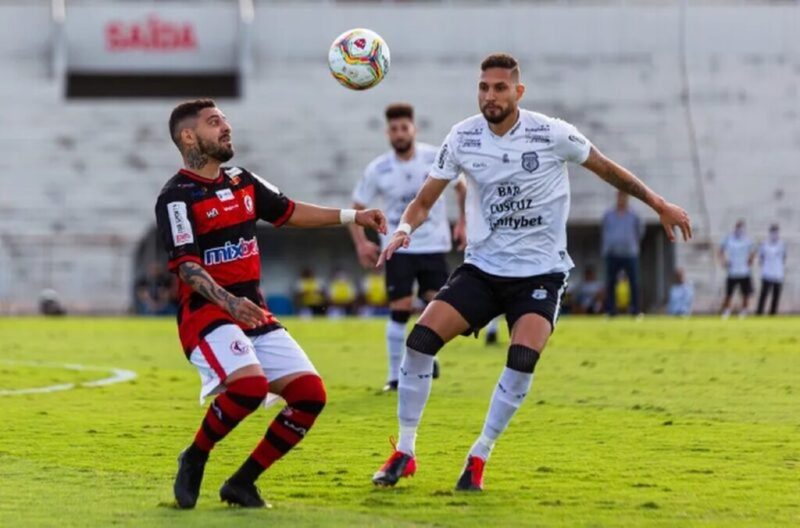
[737, 254]
[622, 233]
[395, 177]
[772, 261]
[309, 294]
[342, 294]
[681, 295]
[206, 217]
[589, 294]
[516, 262]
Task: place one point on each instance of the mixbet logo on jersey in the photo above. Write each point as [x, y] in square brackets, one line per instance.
[230, 252]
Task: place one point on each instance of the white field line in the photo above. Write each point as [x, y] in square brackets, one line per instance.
[117, 376]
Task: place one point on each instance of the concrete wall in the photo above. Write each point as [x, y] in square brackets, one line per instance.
[717, 132]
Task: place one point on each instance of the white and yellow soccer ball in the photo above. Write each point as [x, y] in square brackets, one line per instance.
[359, 59]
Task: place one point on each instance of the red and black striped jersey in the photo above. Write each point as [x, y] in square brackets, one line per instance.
[213, 223]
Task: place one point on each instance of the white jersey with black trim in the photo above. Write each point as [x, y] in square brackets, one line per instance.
[518, 191]
[396, 182]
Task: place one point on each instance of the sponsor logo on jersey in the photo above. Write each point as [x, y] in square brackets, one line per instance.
[539, 294]
[213, 213]
[179, 223]
[536, 138]
[530, 161]
[577, 139]
[505, 158]
[479, 164]
[470, 143]
[248, 203]
[538, 128]
[474, 132]
[241, 348]
[517, 222]
[225, 195]
[230, 252]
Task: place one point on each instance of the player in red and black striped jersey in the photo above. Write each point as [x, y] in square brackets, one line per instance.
[206, 217]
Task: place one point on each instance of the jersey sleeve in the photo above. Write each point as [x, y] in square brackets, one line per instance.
[176, 228]
[569, 143]
[445, 166]
[271, 204]
[366, 188]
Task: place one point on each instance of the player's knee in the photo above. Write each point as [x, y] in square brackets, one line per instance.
[424, 340]
[400, 316]
[306, 393]
[522, 358]
[248, 392]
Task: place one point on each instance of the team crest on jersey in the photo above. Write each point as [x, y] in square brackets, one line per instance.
[248, 203]
[530, 161]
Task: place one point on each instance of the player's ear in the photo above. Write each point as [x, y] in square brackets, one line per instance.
[520, 90]
[188, 137]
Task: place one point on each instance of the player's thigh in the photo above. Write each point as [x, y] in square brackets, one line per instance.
[222, 356]
[532, 307]
[432, 274]
[465, 304]
[280, 356]
[730, 286]
[747, 286]
[399, 276]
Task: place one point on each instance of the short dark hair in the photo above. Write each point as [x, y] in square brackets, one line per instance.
[184, 110]
[398, 110]
[501, 60]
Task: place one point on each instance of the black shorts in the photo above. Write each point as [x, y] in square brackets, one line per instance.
[743, 283]
[480, 297]
[429, 270]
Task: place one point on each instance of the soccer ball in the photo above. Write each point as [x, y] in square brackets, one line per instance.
[359, 59]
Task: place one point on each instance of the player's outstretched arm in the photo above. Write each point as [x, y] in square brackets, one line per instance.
[416, 213]
[671, 215]
[310, 215]
[241, 308]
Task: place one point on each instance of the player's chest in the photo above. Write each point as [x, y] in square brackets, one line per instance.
[490, 162]
[402, 182]
[217, 208]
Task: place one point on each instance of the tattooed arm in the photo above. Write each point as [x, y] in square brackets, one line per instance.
[241, 308]
[671, 215]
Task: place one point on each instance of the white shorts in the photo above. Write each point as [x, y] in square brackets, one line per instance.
[227, 349]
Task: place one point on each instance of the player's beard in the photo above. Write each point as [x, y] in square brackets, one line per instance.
[402, 146]
[216, 151]
[496, 117]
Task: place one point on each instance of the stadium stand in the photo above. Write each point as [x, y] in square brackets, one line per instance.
[712, 123]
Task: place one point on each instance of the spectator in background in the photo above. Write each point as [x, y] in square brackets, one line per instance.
[589, 294]
[376, 302]
[50, 304]
[622, 233]
[737, 254]
[772, 260]
[309, 295]
[341, 294]
[681, 295]
[155, 292]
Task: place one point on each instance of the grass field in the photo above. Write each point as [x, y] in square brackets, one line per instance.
[656, 423]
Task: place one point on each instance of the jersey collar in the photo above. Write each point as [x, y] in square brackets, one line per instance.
[196, 177]
[511, 131]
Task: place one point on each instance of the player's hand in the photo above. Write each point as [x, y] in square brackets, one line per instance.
[372, 218]
[673, 216]
[398, 240]
[368, 253]
[460, 234]
[246, 312]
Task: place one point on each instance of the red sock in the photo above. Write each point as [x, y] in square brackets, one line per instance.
[241, 397]
[305, 398]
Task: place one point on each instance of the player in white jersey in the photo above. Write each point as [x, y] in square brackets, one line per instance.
[772, 259]
[395, 177]
[516, 262]
[737, 253]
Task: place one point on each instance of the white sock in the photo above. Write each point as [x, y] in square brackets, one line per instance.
[492, 326]
[395, 343]
[414, 387]
[508, 395]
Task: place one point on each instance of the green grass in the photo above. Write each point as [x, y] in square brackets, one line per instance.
[658, 423]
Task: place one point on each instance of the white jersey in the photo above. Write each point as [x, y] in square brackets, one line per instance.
[737, 250]
[397, 182]
[772, 256]
[517, 191]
